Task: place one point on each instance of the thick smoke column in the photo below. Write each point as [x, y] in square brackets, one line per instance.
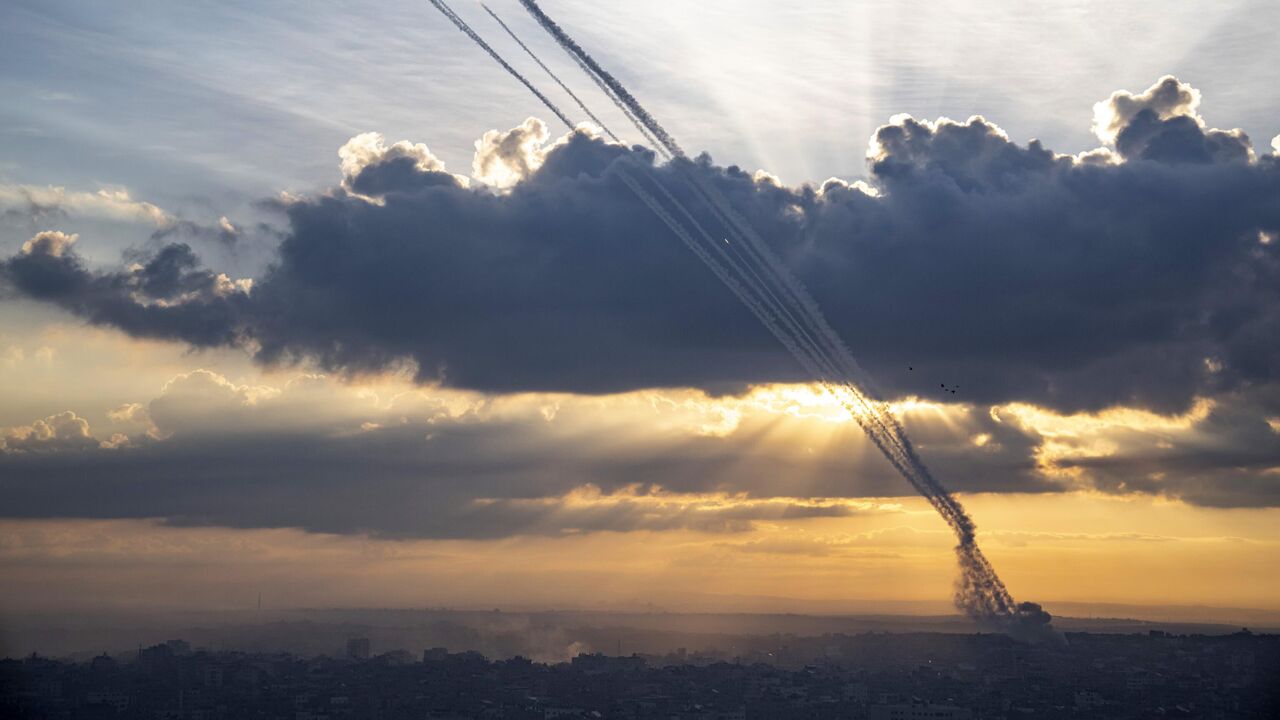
[749, 268]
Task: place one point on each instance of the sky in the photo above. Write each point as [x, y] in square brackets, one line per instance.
[313, 300]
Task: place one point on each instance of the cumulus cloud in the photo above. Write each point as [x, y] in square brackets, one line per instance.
[1162, 123]
[503, 159]
[50, 242]
[130, 413]
[1167, 98]
[63, 431]
[371, 148]
[1016, 272]
[370, 167]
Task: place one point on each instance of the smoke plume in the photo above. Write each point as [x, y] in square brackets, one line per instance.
[745, 264]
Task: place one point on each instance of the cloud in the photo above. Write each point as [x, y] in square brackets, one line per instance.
[371, 168]
[50, 242]
[503, 159]
[861, 545]
[632, 508]
[63, 431]
[1222, 452]
[869, 544]
[223, 232]
[1227, 457]
[1017, 273]
[1167, 98]
[1162, 124]
[398, 461]
[42, 203]
[130, 413]
[321, 455]
[12, 356]
[1022, 538]
[167, 296]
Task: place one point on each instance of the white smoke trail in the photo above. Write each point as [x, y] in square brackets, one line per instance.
[798, 342]
[619, 93]
[644, 131]
[552, 75]
[466, 29]
[766, 307]
[775, 316]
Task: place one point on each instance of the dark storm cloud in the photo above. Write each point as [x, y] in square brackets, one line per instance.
[1127, 277]
[168, 296]
[1179, 139]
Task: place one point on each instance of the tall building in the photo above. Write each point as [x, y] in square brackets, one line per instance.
[358, 648]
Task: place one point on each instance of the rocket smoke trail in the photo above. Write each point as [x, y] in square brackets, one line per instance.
[980, 592]
[465, 28]
[550, 74]
[604, 88]
[618, 92]
[707, 238]
[750, 269]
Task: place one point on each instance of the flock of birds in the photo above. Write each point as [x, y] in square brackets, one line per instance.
[944, 387]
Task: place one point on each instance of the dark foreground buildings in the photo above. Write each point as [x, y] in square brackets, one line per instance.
[873, 676]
